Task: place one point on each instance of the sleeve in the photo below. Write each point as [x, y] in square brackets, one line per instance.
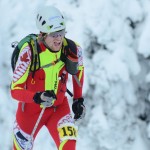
[20, 75]
[78, 79]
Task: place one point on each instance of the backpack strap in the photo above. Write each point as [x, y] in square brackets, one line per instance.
[35, 64]
[50, 64]
[69, 56]
[15, 55]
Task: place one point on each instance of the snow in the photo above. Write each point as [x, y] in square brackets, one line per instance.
[115, 39]
[144, 45]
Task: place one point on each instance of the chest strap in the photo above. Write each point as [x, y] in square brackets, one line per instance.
[50, 64]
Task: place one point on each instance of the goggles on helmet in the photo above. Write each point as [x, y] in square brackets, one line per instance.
[57, 34]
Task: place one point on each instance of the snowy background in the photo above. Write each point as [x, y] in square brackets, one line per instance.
[115, 37]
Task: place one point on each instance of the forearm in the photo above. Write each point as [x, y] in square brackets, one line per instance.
[22, 95]
[77, 87]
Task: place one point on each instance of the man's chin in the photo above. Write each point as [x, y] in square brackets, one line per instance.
[56, 48]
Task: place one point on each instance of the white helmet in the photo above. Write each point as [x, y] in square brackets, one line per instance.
[50, 19]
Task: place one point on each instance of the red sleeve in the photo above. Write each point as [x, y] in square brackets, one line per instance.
[79, 77]
[77, 87]
[23, 95]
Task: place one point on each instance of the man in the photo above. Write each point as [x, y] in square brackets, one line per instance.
[43, 94]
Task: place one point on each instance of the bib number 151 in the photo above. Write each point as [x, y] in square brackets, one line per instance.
[68, 132]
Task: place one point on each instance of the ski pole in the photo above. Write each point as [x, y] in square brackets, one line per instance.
[35, 127]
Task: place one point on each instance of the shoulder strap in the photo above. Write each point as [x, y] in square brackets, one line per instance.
[69, 56]
[71, 46]
[35, 64]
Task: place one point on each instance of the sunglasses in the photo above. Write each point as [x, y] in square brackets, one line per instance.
[57, 34]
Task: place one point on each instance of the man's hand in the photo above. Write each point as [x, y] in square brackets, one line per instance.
[78, 108]
[45, 99]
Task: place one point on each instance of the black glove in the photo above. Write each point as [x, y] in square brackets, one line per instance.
[78, 108]
[45, 99]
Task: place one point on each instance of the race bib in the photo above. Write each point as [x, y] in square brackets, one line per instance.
[67, 131]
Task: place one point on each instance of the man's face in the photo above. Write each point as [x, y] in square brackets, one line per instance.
[54, 40]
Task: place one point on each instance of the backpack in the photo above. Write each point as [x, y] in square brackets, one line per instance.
[68, 54]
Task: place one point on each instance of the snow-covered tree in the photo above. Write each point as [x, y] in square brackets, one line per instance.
[114, 35]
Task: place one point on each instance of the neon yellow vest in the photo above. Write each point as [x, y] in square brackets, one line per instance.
[51, 72]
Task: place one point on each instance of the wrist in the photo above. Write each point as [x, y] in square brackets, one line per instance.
[81, 99]
[36, 97]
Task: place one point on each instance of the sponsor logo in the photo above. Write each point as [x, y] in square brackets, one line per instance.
[55, 17]
[66, 119]
[57, 27]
